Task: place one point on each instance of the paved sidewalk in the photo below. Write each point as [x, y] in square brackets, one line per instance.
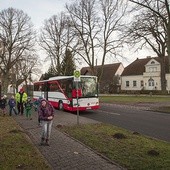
[65, 153]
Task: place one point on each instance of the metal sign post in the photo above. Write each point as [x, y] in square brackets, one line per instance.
[77, 103]
[0, 90]
[77, 79]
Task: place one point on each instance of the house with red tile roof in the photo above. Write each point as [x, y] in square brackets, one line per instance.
[144, 74]
[110, 80]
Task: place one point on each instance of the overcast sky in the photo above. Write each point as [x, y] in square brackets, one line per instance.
[39, 10]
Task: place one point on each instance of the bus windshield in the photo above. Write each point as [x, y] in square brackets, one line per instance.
[89, 86]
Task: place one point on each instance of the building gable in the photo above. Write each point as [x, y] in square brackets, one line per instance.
[153, 66]
[136, 68]
[109, 70]
[152, 62]
[111, 75]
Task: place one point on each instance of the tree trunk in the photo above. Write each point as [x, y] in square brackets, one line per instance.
[5, 83]
[168, 45]
[163, 75]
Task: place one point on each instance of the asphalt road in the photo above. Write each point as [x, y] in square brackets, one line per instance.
[153, 124]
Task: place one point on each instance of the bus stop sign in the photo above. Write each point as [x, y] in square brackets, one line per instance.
[77, 75]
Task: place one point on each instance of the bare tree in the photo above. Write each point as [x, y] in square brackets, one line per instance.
[17, 37]
[151, 27]
[55, 39]
[84, 18]
[161, 10]
[27, 67]
[96, 24]
[112, 13]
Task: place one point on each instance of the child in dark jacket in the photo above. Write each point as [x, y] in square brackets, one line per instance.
[28, 108]
[36, 105]
[3, 103]
[12, 105]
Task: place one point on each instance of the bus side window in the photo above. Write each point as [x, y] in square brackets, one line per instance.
[36, 86]
[63, 87]
[69, 90]
[50, 87]
[43, 87]
[40, 88]
[56, 88]
[53, 87]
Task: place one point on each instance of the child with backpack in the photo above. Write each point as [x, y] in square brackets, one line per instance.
[28, 108]
[12, 105]
[36, 104]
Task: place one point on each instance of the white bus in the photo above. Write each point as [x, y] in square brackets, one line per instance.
[64, 93]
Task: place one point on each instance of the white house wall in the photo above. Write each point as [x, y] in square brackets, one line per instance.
[156, 86]
[119, 70]
[152, 71]
[168, 82]
[137, 78]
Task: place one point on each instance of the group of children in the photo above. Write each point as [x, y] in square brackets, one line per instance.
[44, 109]
[12, 106]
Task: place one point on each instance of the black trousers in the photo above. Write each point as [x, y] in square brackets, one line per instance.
[20, 107]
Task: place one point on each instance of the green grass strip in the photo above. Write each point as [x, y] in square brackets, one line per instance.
[129, 150]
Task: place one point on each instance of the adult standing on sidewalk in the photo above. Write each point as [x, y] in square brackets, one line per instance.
[21, 98]
[46, 114]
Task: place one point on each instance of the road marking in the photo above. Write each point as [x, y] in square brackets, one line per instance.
[110, 113]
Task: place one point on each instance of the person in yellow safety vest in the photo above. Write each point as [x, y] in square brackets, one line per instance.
[21, 98]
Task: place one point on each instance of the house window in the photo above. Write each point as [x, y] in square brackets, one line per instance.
[151, 82]
[153, 62]
[134, 83]
[141, 83]
[152, 69]
[127, 83]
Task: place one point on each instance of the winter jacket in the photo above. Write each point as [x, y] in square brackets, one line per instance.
[3, 103]
[12, 103]
[37, 103]
[45, 112]
[21, 97]
[28, 105]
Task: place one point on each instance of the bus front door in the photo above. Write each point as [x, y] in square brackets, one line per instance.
[46, 95]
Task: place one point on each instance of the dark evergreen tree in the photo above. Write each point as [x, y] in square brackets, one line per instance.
[50, 73]
[68, 64]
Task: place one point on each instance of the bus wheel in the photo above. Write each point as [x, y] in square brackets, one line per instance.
[60, 105]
